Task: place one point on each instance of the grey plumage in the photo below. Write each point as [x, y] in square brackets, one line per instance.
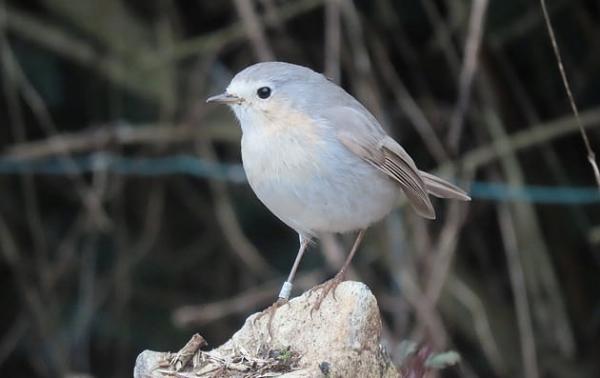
[318, 159]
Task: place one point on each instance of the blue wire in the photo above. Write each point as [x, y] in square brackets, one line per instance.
[535, 193]
[193, 166]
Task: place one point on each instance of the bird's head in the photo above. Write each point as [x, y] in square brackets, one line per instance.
[271, 92]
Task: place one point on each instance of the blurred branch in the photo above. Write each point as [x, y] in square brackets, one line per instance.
[41, 309]
[272, 14]
[38, 107]
[254, 29]
[519, 289]
[408, 104]
[440, 265]
[404, 270]
[541, 280]
[122, 135]
[175, 193]
[55, 39]
[481, 324]
[11, 338]
[524, 24]
[17, 121]
[442, 36]
[334, 253]
[358, 58]
[467, 72]
[333, 39]
[429, 321]
[241, 246]
[504, 145]
[213, 41]
[110, 22]
[241, 304]
[524, 102]
[139, 80]
[397, 30]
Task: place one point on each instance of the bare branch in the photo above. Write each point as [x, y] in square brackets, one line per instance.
[591, 156]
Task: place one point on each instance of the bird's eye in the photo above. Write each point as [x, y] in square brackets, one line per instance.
[263, 92]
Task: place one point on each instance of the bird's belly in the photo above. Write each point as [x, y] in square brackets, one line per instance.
[322, 190]
[320, 205]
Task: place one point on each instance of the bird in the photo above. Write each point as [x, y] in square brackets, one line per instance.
[320, 161]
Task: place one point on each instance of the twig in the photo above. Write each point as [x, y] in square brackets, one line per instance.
[185, 354]
[467, 72]
[591, 156]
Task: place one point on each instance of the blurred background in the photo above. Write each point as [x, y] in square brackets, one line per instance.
[126, 222]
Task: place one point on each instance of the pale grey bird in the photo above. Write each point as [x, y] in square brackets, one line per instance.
[319, 160]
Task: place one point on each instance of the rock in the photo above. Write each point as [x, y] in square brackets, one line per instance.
[147, 362]
[341, 339]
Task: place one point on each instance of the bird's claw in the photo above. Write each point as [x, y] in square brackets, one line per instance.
[271, 310]
[325, 288]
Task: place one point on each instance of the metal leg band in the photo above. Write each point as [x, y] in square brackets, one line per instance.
[286, 290]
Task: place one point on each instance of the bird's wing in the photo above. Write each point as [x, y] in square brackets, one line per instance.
[360, 133]
[443, 189]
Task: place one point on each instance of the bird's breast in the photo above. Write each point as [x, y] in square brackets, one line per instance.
[278, 155]
[314, 184]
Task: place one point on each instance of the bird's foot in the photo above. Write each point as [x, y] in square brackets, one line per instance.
[325, 288]
[270, 311]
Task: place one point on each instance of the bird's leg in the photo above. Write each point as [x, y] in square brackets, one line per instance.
[332, 284]
[286, 288]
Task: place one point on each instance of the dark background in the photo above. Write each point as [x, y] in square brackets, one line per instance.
[98, 264]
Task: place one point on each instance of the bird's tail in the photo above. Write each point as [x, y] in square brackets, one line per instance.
[442, 188]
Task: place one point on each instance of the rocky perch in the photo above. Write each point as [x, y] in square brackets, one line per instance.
[341, 339]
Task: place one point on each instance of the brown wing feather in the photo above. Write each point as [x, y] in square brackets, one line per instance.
[360, 132]
[443, 189]
[400, 166]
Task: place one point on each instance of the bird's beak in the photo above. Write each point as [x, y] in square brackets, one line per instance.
[225, 98]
